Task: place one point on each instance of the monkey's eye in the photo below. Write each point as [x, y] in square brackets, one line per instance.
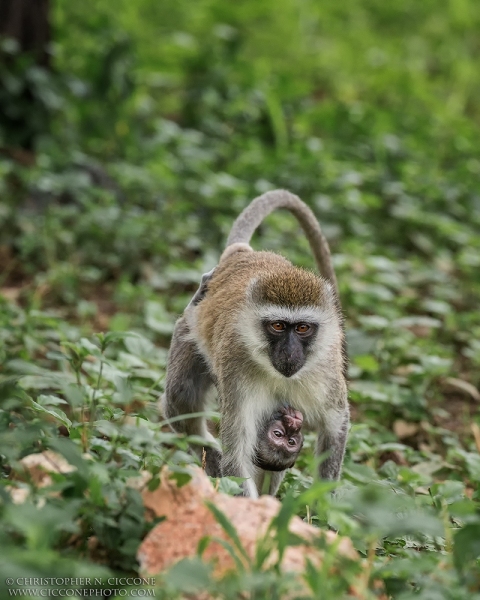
[291, 442]
[302, 328]
[278, 326]
[277, 433]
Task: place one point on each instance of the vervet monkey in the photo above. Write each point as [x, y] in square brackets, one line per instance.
[279, 441]
[264, 333]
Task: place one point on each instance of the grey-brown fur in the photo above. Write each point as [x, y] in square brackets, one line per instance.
[187, 385]
[279, 282]
[219, 341]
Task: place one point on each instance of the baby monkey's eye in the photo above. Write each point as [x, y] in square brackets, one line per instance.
[277, 433]
[291, 442]
[278, 326]
[302, 328]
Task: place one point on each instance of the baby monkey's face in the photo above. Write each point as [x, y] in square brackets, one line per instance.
[280, 440]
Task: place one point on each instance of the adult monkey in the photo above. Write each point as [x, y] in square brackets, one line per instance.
[266, 334]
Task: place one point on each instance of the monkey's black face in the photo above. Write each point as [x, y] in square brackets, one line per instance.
[289, 344]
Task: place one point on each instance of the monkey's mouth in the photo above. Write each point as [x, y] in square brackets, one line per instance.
[287, 369]
[278, 462]
[280, 457]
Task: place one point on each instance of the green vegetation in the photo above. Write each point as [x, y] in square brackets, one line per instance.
[158, 123]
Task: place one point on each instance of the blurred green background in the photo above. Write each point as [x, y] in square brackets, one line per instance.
[128, 147]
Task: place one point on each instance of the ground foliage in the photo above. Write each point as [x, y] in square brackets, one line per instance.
[158, 123]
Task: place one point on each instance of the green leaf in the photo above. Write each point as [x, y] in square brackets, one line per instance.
[181, 477]
[367, 363]
[47, 400]
[203, 544]
[71, 452]
[190, 576]
[466, 545]
[229, 485]
[58, 414]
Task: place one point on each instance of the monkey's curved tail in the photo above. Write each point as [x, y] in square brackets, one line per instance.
[250, 218]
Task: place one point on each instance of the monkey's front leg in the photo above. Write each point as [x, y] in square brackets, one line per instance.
[333, 440]
[236, 462]
[238, 432]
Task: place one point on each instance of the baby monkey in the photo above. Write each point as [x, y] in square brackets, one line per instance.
[279, 440]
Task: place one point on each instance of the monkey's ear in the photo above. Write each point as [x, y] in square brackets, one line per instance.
[234, 248]
[202, 290]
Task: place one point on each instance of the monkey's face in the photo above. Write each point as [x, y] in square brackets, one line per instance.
[289, 344]
[280, 440]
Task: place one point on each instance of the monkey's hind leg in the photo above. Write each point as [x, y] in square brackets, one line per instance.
[187, 384]
[334, 443]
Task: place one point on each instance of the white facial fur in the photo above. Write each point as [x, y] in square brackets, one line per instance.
[250, 331]
[270, 312]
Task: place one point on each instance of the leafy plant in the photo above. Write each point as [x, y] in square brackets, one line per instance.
[157, 124]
